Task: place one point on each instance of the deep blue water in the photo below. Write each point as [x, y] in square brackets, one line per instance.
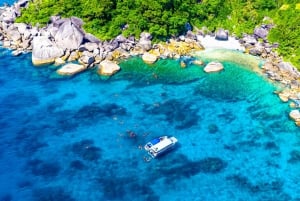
[78, 138]
[8, 2]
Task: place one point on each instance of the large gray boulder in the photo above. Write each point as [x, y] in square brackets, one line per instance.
[145, 44]
[247, 39]
[260, 33]
[13, 35]
[52, 29]
[34, 31]
[91, 46]
[91, 38]
[120, 39]
[76, 21]
[8, 15]
[22, 27]
[69, 35]
[289, 68]
[146, 35]
[221, 34]
[145, 41]
[44, 50]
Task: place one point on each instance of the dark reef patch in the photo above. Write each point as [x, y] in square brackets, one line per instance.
[122, 187]
[227, 116]
[230, 147]
[248, 144]
[2, 82]
[185, 168]
[294, 157]
[19, 100]
[181, 115]
[86, 150]
[6, 197]
[211, 165]
[53, 107]
[213, 128]
[68, 96]
[29, 141]
[24, 184]
[266, 190]
[42, 168]
[94, 112]
[241, 181]
[52, 194]
[271, 146]
[77, 165]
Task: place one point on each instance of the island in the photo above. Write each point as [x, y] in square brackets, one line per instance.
[103, 35]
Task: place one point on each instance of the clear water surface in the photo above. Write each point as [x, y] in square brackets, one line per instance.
[80, 138]
[7, 2]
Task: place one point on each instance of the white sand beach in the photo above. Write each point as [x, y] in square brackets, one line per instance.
[209, 42]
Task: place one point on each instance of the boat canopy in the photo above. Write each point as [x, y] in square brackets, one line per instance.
[162, 144]
[155, 141]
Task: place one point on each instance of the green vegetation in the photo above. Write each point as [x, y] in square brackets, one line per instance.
[165, 18]
[287, 33]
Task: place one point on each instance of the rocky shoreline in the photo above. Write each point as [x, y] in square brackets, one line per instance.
[63, 41]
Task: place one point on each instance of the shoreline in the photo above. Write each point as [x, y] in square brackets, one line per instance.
[63, 41]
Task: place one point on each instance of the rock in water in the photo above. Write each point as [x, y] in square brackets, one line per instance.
[70, 69]
[107, 67]
[149, 58]
[213, 67]
[44, 51]
[198, 62]
[295, 115]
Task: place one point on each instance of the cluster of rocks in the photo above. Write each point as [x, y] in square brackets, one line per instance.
[64, 40]
[274, 67]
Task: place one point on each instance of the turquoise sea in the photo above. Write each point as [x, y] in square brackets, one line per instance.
[80, 138]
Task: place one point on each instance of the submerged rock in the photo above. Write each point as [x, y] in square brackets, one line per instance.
[107, 67]
[71, 69]
[198, 62]
[213, 67]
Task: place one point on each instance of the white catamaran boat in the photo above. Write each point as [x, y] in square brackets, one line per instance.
[160, 145]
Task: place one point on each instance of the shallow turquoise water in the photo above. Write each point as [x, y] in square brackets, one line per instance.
[71, 138]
